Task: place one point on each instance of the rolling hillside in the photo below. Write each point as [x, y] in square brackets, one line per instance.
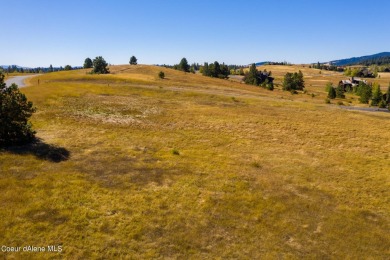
[190, 167]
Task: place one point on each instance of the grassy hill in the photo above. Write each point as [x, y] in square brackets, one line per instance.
[130, 165]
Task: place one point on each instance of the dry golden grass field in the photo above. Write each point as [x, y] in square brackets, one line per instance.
[130, 166]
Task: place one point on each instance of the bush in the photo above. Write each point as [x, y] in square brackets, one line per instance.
[327, 100]
[15, 111]
[161, 75]
[340, 92]
[175, 152]
[382, 104]
[328, 86]
[332, 93]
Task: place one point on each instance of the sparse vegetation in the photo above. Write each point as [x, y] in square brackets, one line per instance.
[301, 179]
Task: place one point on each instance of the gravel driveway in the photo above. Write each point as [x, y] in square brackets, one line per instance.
[18, 80]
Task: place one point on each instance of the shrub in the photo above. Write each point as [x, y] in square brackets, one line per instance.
[15, 111]
[161, 75]
[175, 152]
[332, 93]
[382, 104]
[340, 92]
[327, 100]
[328, 86]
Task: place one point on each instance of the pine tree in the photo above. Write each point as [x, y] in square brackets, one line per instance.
[183, 65]
[251, 77]
[100, 66]
[88, 63]
[376, 95]
[332, 93]
[133, 60]
[388, 95]
[15, 111]
[340, 91]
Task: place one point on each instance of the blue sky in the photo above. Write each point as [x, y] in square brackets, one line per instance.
[40, 33]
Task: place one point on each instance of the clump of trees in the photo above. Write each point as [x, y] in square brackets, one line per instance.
[15, 111]
[100, 66]
[259, 78]
[330, 67]
[133, 60]
[215, 70]
[360, 72]
[293, 82]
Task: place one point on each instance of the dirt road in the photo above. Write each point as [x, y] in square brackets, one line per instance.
[18, 80]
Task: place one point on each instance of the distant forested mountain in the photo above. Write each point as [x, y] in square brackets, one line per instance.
[376, 59]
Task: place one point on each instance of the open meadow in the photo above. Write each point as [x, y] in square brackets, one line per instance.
[132, 166]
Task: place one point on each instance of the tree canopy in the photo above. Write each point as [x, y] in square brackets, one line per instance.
[293, 81]
[183, 65]
[100, 66]
[215, 70]
[133, 60]
[15, 111]
[88, 63]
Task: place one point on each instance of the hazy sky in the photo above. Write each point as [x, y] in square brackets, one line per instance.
[40, 33]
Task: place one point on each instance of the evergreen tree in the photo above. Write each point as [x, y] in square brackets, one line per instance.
[68, 67]
[206, 70]
[100, 66]
[88, 63]
[161, 75]
[332, 93]
[293, 81]
[183, 65]
[133, 60]
[15, 111]
[388, 95]
[340, 91]
[364, 91]
[251, 78]
[51, 68]
[376, 95]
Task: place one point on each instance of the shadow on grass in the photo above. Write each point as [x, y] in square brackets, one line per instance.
[39, 149]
